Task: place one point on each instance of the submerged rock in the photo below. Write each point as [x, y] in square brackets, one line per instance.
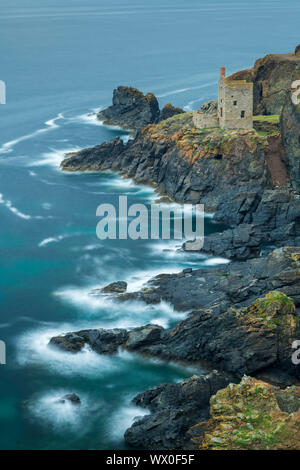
[117, 287]
[71, 398]
[131, 109]
[174, 409]
[251, 415]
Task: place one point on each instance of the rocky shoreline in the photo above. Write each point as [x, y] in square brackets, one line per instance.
[243, 317]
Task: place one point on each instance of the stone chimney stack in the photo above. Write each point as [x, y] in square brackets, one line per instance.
[222, 72]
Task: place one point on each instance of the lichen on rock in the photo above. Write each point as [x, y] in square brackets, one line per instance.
[251, 415]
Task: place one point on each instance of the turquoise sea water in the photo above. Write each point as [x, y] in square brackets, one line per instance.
[60, 61]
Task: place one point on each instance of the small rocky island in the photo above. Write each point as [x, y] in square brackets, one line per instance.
[242, 318]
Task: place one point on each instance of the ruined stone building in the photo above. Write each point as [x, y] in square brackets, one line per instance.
[234, 109]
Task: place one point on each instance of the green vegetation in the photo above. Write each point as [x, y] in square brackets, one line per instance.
[273, 118]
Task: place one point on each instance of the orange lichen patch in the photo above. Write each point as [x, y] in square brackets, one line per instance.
[251, 415]
[195, 144]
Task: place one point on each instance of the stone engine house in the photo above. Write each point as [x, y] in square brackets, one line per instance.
[234, 109]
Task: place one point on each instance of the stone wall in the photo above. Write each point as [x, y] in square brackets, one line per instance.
[203, 120]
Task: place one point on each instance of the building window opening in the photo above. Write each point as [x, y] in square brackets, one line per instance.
[221, 112]
[235, 103]
[242, 114]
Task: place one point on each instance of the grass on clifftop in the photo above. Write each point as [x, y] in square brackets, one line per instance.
[274, 118]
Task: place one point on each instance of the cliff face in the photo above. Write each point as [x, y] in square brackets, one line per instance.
[290, 131]
[188, 164]
[234, 173]
[272, 76]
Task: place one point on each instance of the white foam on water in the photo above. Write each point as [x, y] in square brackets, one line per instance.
[183, 90]
[33, 349]
[46, 241]
[50, 125]
[113, 314]
[61, 417]
[190, 106]
[17, 212]
[54, 157]
[123, 418]
[87, 118]
[216, 261]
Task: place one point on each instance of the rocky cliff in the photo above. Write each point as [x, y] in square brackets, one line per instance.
[241, 317]
[232, 172]
[290, 131]
[272, 77]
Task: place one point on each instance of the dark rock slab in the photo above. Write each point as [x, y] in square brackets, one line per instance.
[100, 340]
[241, 242]
[96, 158]
[174, 409]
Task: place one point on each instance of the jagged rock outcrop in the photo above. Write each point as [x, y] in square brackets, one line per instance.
[240, 341]
[100, 340]
[290, 132]
[131, 109]
[108, 341]
[174, 409]
[91, 159]
[251, 415]
[272, 77]
[168, 111]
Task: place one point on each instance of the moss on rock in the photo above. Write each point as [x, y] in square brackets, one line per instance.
[251, 415]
